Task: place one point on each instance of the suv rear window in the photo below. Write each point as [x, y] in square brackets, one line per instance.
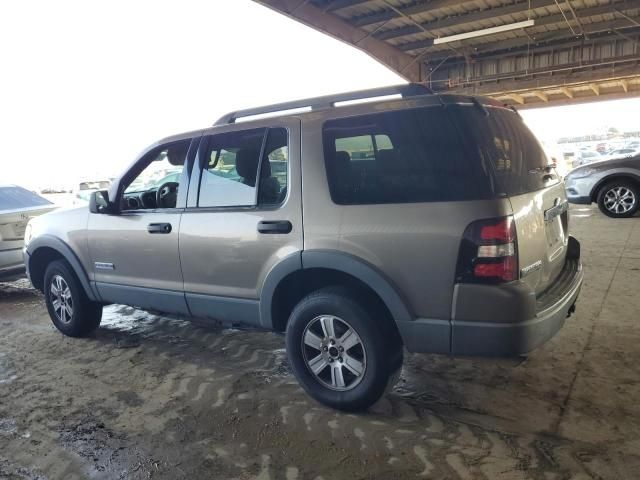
[12, 198]
[518, 162]
[431, 154]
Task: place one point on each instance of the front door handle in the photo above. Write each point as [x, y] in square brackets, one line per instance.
[159, 228]
[275, 226]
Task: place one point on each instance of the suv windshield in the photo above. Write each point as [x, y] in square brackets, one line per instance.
[12, 198]
[432, 154]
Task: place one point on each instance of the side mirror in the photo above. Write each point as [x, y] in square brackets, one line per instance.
[99, 202]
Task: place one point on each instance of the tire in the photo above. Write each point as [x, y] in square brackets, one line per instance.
[355, 377]
[619, 199]
[71, 310]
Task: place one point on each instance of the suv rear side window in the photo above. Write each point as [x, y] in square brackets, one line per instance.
[432, 154]
[399, 157]
[232, 168]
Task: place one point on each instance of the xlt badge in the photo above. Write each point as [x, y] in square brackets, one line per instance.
[531, 268]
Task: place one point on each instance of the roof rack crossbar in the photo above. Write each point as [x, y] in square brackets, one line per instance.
[327, 101]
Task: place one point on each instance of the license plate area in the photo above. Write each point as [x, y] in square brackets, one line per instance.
[14, 231]
[555, 230]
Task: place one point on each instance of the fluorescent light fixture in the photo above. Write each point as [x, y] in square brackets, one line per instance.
[484, 31]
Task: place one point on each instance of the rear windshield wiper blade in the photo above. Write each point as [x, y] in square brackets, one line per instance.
[545, 169]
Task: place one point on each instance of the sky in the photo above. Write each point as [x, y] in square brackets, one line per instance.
[85, 86]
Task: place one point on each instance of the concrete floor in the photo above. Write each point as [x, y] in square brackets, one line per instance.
[152, 397]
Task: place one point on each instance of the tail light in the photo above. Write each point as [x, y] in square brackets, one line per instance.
[488, 252]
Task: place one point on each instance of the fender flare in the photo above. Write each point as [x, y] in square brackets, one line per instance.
[288, 265]
[622, 174]
[333, 260]
[67, 253]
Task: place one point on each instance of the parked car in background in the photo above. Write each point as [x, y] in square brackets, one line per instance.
[620, 153]
[441, 230]
[85, 189]
[17, 206]
[613, 184]
[586, 156]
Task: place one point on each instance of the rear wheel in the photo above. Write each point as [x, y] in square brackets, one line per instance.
[340, 353]
[619, 199]
[69, 307]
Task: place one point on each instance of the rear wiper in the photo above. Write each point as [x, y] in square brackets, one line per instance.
[545, 169]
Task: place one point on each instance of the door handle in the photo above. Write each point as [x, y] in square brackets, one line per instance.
[159, 228]
[275, 226]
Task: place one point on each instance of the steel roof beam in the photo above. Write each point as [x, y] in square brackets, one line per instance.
[542, 21]
[426, 7]
[334, 26]
[340, 4]
[386, 15]
[477, 16]
[519, 46]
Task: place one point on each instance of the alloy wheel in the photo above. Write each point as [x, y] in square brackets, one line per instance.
[619, 200]
[61, 299]
[334, 353]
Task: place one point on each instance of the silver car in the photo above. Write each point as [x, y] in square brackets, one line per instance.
[613, 184]
[17, 206]
[428, 222]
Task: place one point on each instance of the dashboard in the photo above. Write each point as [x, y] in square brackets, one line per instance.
[139, 200]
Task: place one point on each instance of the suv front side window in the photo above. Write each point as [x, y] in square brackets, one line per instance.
[156, 185]
[235, 161]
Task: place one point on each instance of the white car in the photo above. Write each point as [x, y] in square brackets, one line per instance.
[587, 156]
[17, 207]
[85, 189]
[621, 153]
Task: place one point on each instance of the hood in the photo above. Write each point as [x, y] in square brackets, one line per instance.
[60, 223]
[629, 162]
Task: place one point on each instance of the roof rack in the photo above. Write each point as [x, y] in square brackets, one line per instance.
[327, 101]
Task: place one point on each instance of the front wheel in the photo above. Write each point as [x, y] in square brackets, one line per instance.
[69, 307]
[619, 199]
[341, 354]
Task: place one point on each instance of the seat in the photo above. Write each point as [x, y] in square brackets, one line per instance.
[247, 168]
[342, 174]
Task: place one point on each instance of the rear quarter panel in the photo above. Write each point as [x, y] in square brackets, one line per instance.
[415, 245]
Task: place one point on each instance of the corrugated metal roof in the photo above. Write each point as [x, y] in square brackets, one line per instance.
[569, 39]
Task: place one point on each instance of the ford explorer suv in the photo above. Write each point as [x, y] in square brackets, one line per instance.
[359, 224]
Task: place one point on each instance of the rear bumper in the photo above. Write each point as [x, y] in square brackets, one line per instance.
[11, 261]
[515, 338]
[499, 321]
[578, 199]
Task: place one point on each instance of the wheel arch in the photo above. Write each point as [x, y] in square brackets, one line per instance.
[47, 248]
[609, 178]
[295, 277]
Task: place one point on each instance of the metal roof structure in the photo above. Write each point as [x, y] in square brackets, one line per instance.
[527, 53]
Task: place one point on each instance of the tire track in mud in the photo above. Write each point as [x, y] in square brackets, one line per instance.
[187, 400]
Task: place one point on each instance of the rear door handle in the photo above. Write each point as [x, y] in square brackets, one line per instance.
[275, 226]
[159, 228]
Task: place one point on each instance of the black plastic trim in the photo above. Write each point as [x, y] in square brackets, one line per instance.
[364, 271]
[288, 265]
[65, 250]
[166, 301]
[614, 176]
[224, 309]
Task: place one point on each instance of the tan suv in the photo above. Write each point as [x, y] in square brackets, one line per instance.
[358, 223]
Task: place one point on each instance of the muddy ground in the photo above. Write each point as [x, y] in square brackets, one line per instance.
[162, 398]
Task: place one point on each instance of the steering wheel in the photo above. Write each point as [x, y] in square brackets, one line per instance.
[167, 195]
